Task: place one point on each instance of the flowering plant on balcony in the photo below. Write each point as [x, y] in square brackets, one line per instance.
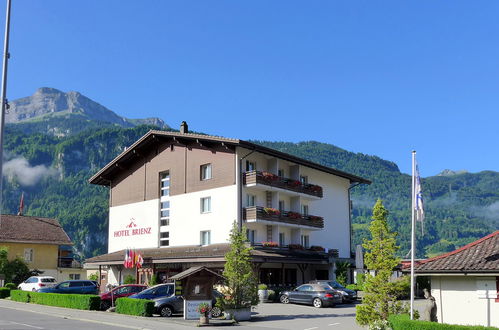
[317, 248]
[267, 176]
[293, 183]
[294, 215]
[271, 211]
[270, 244]
[314, 218]
[315, 188]
[296, 247]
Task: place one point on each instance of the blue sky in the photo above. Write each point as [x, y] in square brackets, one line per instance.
[377, 77]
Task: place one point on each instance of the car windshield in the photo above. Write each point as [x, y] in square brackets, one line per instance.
[48, 280]
[148, 291]
[336, 285]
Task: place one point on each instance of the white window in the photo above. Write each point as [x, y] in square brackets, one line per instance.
[281, 206]
[305, 241]
[250, 200]
[164, 216]
[205, 204]
[280, 172]
[250, 166]
[205, 237]
[165, 183]
[304, 209]
[282, 239]
[206, 172]
[28, 255]
[251, 236]
[164, 238]
[303, 179]
[74, 276]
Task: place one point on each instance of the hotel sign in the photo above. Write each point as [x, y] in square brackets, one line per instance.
[132, 230]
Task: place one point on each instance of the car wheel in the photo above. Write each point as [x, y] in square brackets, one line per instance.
[216, 312]
[284, 299]
[34, 290]
[104, 305]
[317, 302]
[166, 311]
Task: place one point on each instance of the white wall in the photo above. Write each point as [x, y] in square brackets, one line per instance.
[462, 300]
[123, 234]
[186, 220]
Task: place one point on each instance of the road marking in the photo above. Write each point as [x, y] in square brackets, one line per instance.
[26, 325]
[334, 324]
[311, 328]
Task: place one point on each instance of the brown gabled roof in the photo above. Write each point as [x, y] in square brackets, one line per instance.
[212, 252]
[193, 270]
[152, 137]
[25, 229]
[481, 256]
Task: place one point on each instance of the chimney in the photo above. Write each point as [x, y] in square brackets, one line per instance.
[184, 128]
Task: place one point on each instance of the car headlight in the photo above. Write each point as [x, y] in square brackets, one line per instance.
[344, 293]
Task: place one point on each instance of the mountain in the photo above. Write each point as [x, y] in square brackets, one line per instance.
[52, 170]
[52, 111]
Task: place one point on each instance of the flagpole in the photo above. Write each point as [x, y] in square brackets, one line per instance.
[413, 235]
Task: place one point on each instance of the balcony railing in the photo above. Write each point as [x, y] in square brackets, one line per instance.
[270, 179]
[295, 218]
[68, 263]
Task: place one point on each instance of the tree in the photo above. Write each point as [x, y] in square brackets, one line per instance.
[341, 272]
[241, 282]
[379, 301]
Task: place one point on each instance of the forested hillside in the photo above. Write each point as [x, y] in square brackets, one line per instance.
[53, 172]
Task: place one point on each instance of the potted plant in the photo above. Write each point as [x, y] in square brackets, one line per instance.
[240, 291]
[263, 294]
[270, 244]
[294, 215]
[295, 247]
[203, 310]
[271, 211]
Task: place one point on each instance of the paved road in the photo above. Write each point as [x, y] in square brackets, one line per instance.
[21, 316]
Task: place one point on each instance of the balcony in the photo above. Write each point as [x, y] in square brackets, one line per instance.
[270, 179]
[257, 213]
[68, 262]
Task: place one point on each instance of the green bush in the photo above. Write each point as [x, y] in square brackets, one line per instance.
[271, 295]
[129, 279]
[11, 286]
[403, 322]
[262, 287]
[361, 278]
[139, 307]
[4, 293]
[352, 287]
[75, 301]
[402, 287]
[19, 295]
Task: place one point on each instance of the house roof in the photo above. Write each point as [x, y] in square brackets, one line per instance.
[481, 256]
[192, 271]
[212, 252]
[153, 137]
[26, 229]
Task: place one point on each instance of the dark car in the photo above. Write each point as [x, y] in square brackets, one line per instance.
[109, 298]
[317, 295]
[347, 295]
[157, 291]
[167, 306]
[76, 286]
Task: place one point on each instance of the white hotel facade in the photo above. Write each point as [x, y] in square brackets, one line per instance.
[175, 195]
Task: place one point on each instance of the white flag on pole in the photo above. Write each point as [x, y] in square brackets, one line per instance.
[418, 198]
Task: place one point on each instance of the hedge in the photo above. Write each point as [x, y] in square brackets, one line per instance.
[130, 306]
[75, 301]
[11, 286]
[19, 295]
[403, 322]
[4, 293]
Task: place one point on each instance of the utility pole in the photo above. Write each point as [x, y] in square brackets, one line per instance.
[3, 96]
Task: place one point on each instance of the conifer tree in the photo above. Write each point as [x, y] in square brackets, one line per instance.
[379, 301]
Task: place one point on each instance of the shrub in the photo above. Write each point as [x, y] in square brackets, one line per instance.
[21, 296]
[403, 322]
[352, 287]
[361, 278]
[129, 279]
[262, 287]
[402, 287]
[154, 280]
[271, 295]
[4, 293]
[139, 307]
[75, 301]
[11, 286]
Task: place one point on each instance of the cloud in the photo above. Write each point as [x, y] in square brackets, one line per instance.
[26, 174]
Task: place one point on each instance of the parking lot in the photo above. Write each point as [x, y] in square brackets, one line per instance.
[15, 315]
